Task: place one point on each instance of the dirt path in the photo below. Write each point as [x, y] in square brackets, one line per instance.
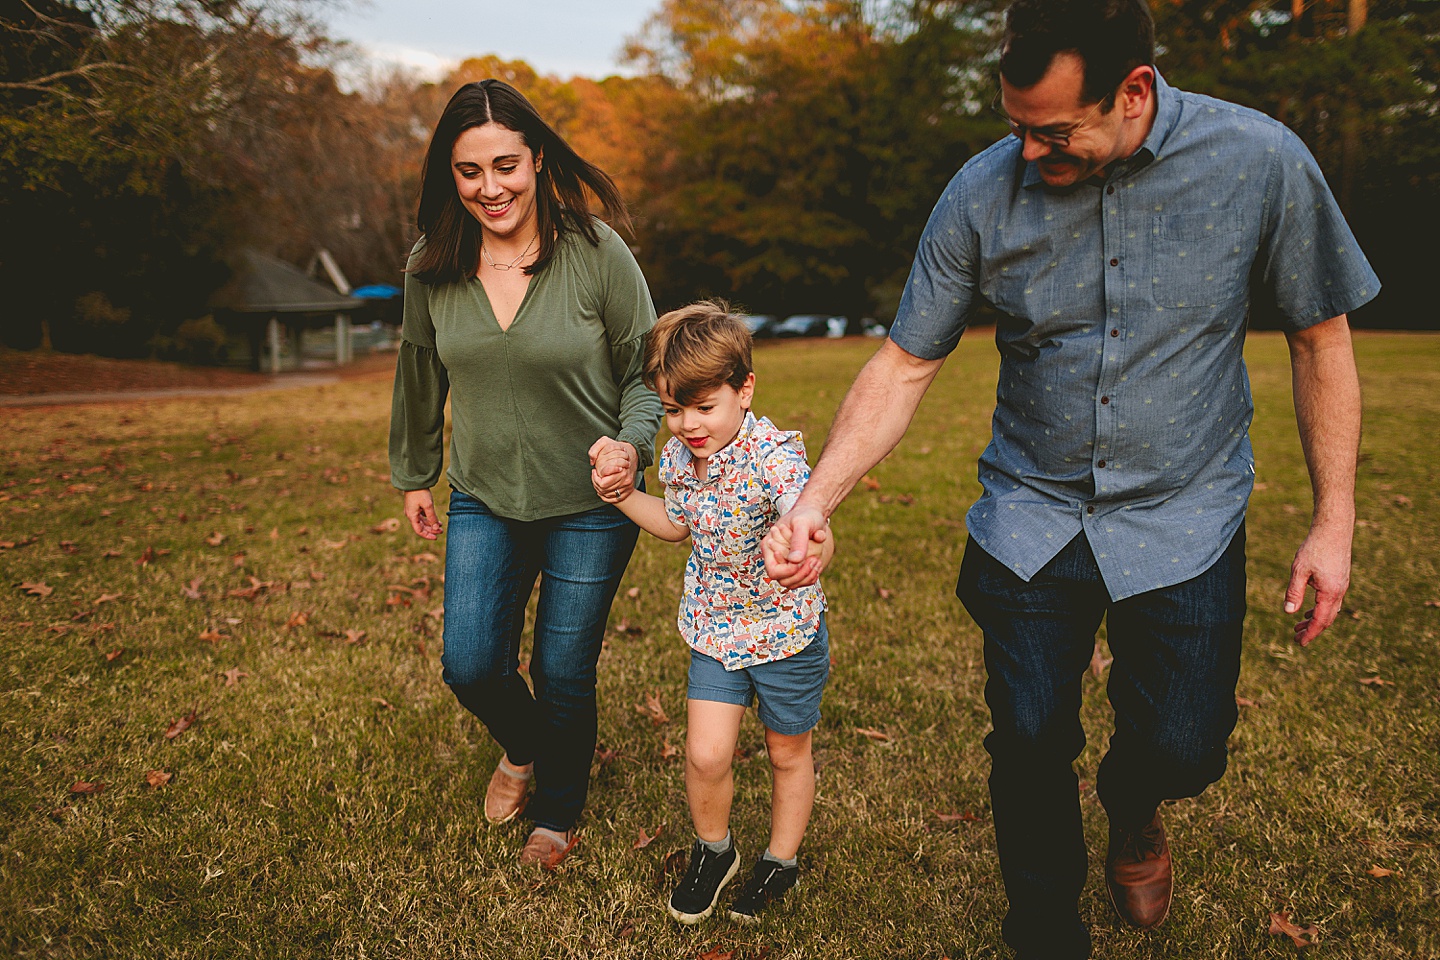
[46, 378]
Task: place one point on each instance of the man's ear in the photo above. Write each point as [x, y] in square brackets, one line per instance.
[1136, 90]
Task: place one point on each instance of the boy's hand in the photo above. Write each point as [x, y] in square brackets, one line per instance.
[612, 469]
[817, 555]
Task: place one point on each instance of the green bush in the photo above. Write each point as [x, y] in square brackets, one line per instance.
[199, 340]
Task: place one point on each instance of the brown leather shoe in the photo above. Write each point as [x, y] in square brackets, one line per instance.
[546, 850]
[1139, 874]
[505, 797]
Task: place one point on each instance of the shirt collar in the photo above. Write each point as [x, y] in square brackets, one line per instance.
[1167, 114]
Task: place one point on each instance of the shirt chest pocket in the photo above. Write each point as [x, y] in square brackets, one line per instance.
[1195, 259]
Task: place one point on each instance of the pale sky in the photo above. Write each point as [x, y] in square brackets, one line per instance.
[562, 37]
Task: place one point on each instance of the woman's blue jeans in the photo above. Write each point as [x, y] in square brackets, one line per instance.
[491, 564]
[1172, 684]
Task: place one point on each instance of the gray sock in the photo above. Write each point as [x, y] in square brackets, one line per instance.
[784, 863]
[716, 846]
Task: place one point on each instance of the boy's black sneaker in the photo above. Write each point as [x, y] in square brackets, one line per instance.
[694, 899]
[767, 884]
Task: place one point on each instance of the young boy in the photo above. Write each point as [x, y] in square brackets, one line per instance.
[728, 476]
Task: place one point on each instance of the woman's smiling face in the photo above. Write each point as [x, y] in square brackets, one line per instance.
[495, 176]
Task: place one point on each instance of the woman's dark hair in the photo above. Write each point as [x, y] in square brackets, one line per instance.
[1111, 37]
[452, 236]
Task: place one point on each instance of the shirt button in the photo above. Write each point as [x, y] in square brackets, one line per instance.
[1114, 262]
[1109, 190]
[1089, 509]
[1101, 464]
[1104, 399]
[1114, 333]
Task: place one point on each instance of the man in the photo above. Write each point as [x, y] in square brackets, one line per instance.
[1123, 232]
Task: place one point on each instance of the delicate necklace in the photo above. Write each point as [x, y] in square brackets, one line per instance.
[511, 265]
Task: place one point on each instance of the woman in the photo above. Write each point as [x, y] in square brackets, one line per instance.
[532, 315]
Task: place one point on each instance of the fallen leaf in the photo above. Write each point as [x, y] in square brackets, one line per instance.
[355, 636]
[1376, 682]
[383, 702]
[85, 787]
[1098, 662]
[257, 587]
[675, 863]
[870, 482]
[107, 598]
[1432, 603]
[625, 626]
[605, 754]
[425, 558]
[114, 655]
[297, 619]
[1303, 936]
[667, 751]
[37, 589]
[146, 557]
[180, 725]
[233, 675]
[388, 525]
[1245, 701]
[966, 817]
[652, 709]
[158, 778]
[334, 544]
[215, 539]
[643, 841]
[112, 554]
[873, 734]
[192, 591]
[557, 856]
[633, 592]
[69, 546]
[1378, 872]
[718, 953]
[1402, 501]
[237, 559]
[885, 593]
[211, 635]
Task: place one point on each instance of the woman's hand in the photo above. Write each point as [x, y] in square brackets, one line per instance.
[420, 511]
[612, 469]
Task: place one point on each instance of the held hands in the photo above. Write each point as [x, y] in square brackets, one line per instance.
[798, 548]
[420, 511]
[1323, 561]
[613, 464]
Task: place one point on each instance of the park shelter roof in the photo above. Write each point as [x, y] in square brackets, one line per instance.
[260, 283]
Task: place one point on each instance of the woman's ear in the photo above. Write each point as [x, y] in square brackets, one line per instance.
[539, 159]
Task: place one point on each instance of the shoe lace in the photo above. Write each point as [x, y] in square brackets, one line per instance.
[1144, 844]
[694, 876]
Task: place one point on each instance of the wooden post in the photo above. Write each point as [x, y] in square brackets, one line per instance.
[272, 337]
[344, 350]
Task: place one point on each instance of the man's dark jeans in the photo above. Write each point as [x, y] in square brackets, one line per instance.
[1172, 684]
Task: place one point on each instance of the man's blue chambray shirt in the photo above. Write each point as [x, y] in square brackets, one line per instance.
[1123, 404]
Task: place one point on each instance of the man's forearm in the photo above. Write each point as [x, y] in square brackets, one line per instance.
[1327, 411]
[870, 422]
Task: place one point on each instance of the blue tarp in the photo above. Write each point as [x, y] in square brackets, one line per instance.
[377, 291]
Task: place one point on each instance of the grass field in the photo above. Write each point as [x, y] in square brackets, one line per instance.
[233, 561]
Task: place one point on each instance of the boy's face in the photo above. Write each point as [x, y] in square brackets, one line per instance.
[709, 422]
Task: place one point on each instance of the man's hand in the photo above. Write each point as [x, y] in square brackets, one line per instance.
[420, 511]
[613, 464]
[1323, 561]
[793, 549]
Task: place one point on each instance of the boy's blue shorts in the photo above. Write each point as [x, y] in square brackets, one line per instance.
[789, 690]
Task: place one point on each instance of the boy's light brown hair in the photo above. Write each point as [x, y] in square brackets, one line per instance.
[695, 349]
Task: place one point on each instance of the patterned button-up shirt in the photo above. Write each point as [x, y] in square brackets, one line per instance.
[1123, 406]
[730, 609]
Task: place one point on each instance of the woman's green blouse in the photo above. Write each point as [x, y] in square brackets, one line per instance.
[526, 402]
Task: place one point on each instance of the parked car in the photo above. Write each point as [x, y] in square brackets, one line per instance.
[871, 327]
[836, 327]
[803, 325]
[759, 324]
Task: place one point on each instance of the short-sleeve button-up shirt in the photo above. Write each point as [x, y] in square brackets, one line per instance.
[731, 610]
[1123, 406]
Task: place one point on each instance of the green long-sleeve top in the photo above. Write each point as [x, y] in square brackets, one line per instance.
[527, 402]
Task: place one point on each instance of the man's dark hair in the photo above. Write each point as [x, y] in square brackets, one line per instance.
[1111, 37]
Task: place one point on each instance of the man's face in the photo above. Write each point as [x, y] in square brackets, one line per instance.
[1054, 106]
